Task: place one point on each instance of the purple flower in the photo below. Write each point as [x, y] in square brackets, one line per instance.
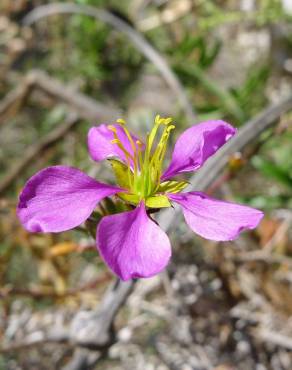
[60, 198]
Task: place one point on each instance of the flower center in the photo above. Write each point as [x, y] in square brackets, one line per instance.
[144, 165]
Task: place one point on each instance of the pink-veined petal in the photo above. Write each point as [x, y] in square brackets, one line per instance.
[215, 219]
[195, 145]
[59, 198]
[132, 244]
[100, 146]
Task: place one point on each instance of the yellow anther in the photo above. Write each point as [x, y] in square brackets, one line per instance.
[166, 121]
[138, 142]
[112, 128]
[120, 145]
[169, 128]
[121, 121]
[157, 119]
[162, 121]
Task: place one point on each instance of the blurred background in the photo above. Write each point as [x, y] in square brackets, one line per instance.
[218, 306]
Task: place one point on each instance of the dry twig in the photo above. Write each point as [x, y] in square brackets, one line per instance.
[248, 133]
[86, 107]
[33, 151]
[12, 103]
[275, 338]
[134, 36]
[264, 257]
[39, 293]
[81, 106]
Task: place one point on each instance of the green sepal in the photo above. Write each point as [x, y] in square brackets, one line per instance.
[92, 222]
[158, 201]
[109, 205]
[113, 207]
[130, 198]
[121, 172]
[172, 186]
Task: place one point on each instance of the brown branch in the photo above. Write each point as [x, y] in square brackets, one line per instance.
[94, 329]
[134, 36]
[231, 170]
[263, 257]
[12, 103]
[33, 151]
[273, 337]
[246, 134]
[83, 106]
[55, 335]
[86, 107]
[39, 293]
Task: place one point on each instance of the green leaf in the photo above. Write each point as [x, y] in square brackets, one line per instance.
[273, 170]
[193, 72]
[172, 186]
[158, 201]
[121, 172]
[130, 198]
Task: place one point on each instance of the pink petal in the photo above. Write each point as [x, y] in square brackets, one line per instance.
[214, 219]
[59, 198]
[132, 244]
[196, 145]
[100, 146]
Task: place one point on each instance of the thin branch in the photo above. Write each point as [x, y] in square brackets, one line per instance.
[13, 101]
[83, 359]
[86, 107]
[134, 36]
[83, 106]
[264, 257]
[94, 329]
[55, 335]
[33, 151]
[248, 133]
[274, 337]
[38, 293]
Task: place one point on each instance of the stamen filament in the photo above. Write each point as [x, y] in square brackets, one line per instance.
[158, 156]
[144, 178]
[134, 148]
[128, 157]
[140, 162]
[120, 145]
